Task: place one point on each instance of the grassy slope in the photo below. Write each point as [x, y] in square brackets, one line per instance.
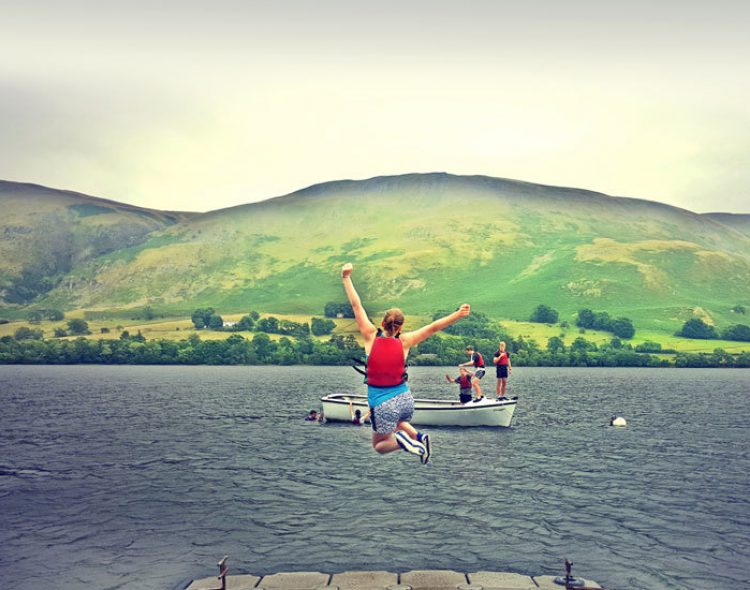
[430, 242]
[737, 221]
[52, 230]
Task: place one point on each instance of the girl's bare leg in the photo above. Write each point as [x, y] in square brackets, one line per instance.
[499, 387]
[384, 443]
[475, 382]
[408, 429]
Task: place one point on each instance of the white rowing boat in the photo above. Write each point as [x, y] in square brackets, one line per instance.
[338, 407]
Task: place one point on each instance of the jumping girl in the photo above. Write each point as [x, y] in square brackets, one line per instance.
[391, 403]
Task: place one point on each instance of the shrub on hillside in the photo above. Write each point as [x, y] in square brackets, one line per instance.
[270, 325]
[54, 315]
[648, 346]
[245, 324]
[215, 322]
[556, 344]
[201, 317]
[320, 327]
[207, 318]
[544, 314]
[582, 345]
[25, 333]
[34, 316]
[291, 328]
[739, 332]
[30, 283]
[623, 328]
[697, 328]
[476, 325]
[601, 320]
[78, 327]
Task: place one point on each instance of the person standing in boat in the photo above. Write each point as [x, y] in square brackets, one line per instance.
[464, 384]
[477, 361]
[503, 368]
[391, 403]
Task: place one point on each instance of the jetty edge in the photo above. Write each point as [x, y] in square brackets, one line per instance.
[383, 580]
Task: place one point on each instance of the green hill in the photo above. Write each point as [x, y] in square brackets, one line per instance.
[736, 221]
[46, 233]
[428, 242]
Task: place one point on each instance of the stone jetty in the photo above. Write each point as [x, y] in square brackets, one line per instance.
[380, 580]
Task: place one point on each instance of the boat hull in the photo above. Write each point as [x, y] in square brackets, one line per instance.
[338, 407]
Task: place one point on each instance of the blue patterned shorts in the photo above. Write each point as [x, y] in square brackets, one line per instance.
[386, 416]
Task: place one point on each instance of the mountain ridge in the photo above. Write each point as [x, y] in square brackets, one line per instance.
[6, 186]
[45, 232]
[424, 240]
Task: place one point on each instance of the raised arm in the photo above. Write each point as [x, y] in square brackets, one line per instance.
[413, 338]
[366, 328]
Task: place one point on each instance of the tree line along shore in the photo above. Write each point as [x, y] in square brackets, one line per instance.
[272, 341]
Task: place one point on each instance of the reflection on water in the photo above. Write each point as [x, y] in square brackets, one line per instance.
[143, 477]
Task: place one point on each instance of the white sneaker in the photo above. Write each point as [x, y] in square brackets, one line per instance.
[409, 444]
[424, 438]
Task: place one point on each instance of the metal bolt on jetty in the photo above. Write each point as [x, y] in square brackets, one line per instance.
[381, 580]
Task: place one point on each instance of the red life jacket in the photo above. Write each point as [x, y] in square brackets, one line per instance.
[503, 359]
[464, 381]
[479, 361]
[385, 364]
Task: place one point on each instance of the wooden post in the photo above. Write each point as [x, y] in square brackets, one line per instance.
[223, 568]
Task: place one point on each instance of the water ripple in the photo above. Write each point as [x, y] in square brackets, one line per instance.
[141, 477]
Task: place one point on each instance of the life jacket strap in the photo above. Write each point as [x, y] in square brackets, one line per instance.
[358, 361]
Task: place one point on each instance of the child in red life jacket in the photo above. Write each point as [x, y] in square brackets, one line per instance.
[391, 403]
[357, 418]
[504, 368]
[477, 361]
[464, 384]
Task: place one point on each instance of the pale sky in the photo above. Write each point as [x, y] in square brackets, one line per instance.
[200, 105]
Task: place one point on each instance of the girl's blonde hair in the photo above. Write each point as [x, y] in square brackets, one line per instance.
[393, 320]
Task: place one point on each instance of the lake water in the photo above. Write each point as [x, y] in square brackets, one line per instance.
[143, 477]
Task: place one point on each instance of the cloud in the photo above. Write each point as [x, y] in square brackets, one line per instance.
[196, 109]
